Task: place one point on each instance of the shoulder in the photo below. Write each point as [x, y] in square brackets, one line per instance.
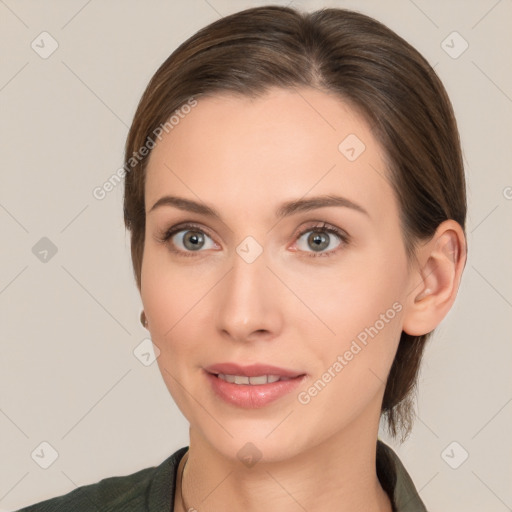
[108, 493]
[151, 487]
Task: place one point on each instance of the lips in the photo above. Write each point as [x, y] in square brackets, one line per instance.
[252, 386]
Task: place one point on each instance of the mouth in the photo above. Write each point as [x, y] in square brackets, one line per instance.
[253, 386]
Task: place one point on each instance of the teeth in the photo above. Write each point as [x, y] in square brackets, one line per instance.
[242, 379]
[258, 380]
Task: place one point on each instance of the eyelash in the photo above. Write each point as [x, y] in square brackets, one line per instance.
[320, 228]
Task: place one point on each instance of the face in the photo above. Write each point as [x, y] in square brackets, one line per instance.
[279, 281]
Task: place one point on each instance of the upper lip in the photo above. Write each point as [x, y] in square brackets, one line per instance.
[252, 370]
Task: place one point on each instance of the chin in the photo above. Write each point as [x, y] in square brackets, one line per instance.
[252, 441]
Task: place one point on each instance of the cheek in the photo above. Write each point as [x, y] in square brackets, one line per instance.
[175, 299]
[353, 296]
[361, 304]
[163, 295]
[167, 289]
[351, 366]
[168, 294]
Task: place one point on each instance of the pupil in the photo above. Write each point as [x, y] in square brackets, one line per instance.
[195, 238]
[319, 240]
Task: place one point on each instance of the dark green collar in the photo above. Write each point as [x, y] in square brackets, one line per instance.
[396, 481]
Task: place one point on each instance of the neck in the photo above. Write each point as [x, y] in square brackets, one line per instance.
[338, 474]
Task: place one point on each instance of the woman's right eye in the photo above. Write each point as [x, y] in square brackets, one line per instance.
[185, 240]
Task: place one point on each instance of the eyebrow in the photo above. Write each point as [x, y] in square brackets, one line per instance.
[285, 210]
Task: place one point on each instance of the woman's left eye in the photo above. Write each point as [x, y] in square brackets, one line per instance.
[320, 238]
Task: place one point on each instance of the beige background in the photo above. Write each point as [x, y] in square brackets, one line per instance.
[68, 374]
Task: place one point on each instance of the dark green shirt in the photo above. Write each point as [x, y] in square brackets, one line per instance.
[152, 489]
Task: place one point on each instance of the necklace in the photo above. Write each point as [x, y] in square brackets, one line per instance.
[185, 508]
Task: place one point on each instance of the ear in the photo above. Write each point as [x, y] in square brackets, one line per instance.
[436, 279]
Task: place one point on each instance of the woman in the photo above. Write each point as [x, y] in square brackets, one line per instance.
[295, 194]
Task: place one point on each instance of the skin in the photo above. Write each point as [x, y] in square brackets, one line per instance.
[245, 157]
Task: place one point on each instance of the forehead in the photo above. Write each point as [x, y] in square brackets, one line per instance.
[284, 144]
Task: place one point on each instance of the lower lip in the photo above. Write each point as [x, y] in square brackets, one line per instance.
[248, 396]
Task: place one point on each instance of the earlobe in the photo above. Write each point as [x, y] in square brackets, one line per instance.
[436, 280]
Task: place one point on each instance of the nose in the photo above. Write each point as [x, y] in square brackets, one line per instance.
[250, 301]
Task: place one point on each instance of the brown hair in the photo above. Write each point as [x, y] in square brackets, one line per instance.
[367, 65]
